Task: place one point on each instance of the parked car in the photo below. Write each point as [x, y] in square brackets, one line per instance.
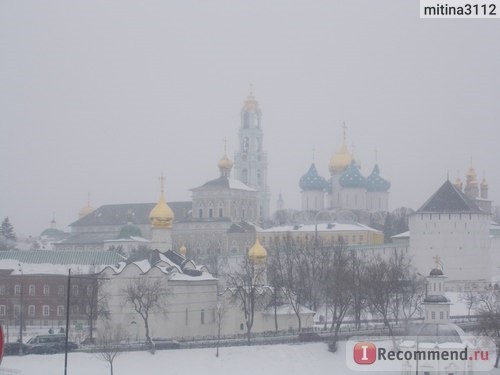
[49, 344]
[12, 348]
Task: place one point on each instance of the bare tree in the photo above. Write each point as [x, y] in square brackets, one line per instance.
[357, 280]
[378, 283]
[91, 301]
[147, 295]
[220, 310]
[338, 288]
[488, 310]
[247, 290]
[470, 299]
[289, 274]
[109, 344]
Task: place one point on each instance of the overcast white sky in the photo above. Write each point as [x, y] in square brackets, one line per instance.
[102, 96]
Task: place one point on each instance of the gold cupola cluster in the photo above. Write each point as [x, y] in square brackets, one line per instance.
[257, 254]
[161, 216]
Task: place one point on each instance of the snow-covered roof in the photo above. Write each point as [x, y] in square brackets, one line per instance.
[225, 182]
[322, 227]
[57, 262]
[130, 239]
[402, 235]
[170, 263]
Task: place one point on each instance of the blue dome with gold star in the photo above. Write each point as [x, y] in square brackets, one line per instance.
[312, 180]
[376, 183]
[352, 177]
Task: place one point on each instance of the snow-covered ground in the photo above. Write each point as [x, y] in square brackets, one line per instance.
[298, 359]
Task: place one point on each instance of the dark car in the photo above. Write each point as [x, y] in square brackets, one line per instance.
[49, 344]
[12, 348]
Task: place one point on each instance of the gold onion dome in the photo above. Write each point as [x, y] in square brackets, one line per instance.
[183, 250]
[458, 183]
[341, 160]
[161, 216]
[225, 162]
[257, 253]
[88, 209]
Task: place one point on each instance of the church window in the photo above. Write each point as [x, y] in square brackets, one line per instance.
[441, 315]
[439, 286]
[220, 211]
[210, 212]
[246, 144]
[434, 287]
[202, 316]
[200, 213]
[259, 178]
[244, 176]
[243, 213]
[186, 317]
[433, 315]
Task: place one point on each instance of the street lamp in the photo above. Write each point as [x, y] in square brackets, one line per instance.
[21, 312]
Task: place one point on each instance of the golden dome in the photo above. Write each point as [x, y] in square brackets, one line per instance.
[161, 216]
[257, 253]
[225, 162]
[88, 209]
[458, 183]
[183, 250]
[341, 160]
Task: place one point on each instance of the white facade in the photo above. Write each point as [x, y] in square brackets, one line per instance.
[377, 201]
[313, 200]
[190, 303]
[451, 226]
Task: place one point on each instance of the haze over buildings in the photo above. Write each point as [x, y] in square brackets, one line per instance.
[101, 97]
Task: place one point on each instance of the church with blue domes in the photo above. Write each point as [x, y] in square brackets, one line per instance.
[347, 188]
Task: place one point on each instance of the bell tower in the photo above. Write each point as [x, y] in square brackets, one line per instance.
[250, 159]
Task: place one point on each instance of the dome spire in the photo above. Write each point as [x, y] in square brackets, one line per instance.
[341, 159]
[161, 216]
[225, 164]
[87, 209]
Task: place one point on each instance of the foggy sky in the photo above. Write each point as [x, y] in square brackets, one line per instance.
[103, 96]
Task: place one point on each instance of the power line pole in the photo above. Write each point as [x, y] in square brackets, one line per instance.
[67, 324]
[21, 313]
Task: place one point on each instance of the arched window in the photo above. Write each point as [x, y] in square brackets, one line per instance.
[202, 316]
